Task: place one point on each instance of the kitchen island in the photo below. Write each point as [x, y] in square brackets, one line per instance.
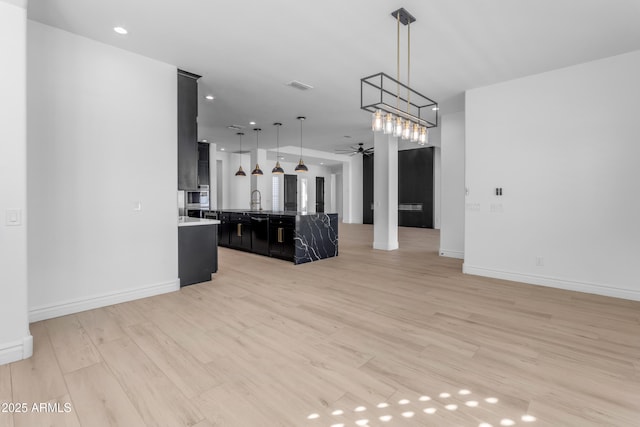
[293, 236]
[197, 249]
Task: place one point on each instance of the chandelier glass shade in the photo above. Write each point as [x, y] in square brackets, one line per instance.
[277, 170]
[257, 171]
[396, 108]
[301, 167]
[240, 171]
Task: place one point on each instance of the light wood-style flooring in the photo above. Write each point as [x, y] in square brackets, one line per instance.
[373, 338]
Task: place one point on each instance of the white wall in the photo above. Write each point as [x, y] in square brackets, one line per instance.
[101, 140]
[564, 147]
[339, 195]
[236, 190]
[437, 187]
[15, 340]
[452, 184]
[352, 191]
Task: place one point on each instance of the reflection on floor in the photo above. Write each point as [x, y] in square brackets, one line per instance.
[386, 412]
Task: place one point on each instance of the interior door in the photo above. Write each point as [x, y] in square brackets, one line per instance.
[291, 193]
[319, 194]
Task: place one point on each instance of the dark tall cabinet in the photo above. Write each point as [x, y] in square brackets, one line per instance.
[187, 130]
[415, 188]
[367, 189]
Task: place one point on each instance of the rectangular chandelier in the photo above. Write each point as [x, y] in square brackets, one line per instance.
[380, 92]
[397, 109]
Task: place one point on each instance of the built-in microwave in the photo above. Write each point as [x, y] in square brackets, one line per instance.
[198, 199]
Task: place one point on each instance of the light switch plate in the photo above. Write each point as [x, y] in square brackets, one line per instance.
[13, 217]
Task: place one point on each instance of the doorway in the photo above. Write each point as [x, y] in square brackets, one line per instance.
[319, 194]
[291, 193]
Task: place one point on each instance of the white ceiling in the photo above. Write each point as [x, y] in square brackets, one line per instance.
[247, 50]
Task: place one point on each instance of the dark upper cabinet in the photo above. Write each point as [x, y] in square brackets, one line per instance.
[187, 130]
[203, 163]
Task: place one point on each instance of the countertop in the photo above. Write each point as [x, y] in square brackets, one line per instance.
[185, 221]
[282, 213]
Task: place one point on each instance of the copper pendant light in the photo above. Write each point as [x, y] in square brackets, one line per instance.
[240, 171]
[257, 170]
[277, 170]
[301, 166]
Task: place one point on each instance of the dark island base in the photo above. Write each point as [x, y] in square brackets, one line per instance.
[316, 237]
[291, 236]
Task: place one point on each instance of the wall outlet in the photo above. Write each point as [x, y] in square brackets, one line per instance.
[13, 217]
[539, 261]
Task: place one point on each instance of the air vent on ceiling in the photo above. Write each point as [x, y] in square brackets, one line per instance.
[299, 85]
[235, 127]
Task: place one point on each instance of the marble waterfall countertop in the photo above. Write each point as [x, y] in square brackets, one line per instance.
[185, 221]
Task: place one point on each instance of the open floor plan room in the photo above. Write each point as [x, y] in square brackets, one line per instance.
[373, 338]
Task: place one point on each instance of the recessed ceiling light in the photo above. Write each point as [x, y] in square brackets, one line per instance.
[210, 97]
[252, 123]
[281, 158]
[222, 149]
[120, 30]
[435, 108]
[321, 163]
[204, 140]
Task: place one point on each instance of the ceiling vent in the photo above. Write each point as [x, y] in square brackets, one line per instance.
[235, 127]
[299, 85]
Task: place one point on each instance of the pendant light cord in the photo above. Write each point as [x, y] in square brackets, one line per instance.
[398, 65]
[408, 64]
[301, 138]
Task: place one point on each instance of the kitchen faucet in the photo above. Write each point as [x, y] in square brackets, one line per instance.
[256, 202]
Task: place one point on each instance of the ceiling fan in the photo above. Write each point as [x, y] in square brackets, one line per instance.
[356, 149]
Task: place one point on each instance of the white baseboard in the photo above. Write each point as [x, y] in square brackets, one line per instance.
[83, 304]
[391, 246]
[451, 253]
[16, 350]
[552, 282]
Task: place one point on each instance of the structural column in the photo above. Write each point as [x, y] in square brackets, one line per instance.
[385, 192]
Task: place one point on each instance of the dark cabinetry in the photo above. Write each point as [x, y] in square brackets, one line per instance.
[224, 229]
[187, 130]
[197, 253]
[240, 231]
[282, 231]
[260, 234]
[203, 163]
[415, 188]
